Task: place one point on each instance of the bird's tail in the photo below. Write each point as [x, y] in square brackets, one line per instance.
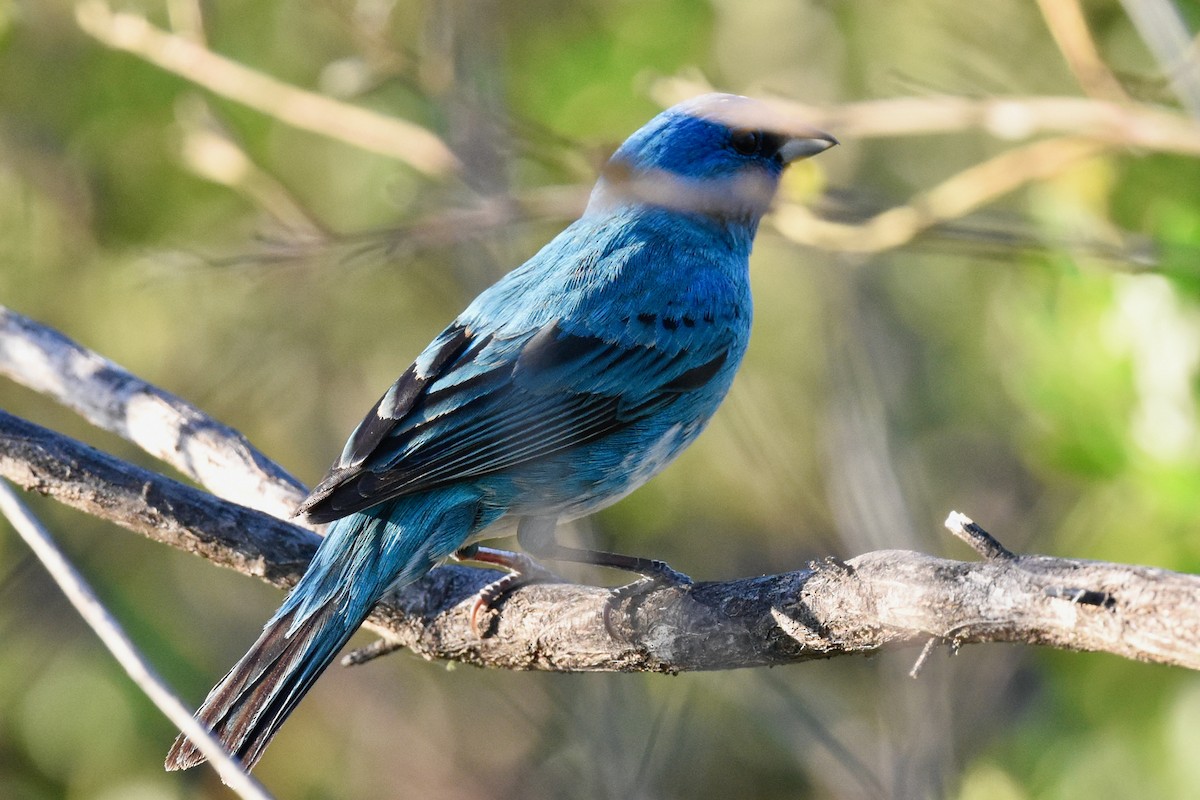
[360, 557]
[245, 710]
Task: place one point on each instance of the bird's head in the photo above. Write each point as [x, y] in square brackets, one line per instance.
[719, 155]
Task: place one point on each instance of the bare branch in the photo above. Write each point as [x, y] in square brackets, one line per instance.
[1134, 125]
[210, 151]
[955, 197]
[113, 637]
[882, 599]
[1068, 26]
[1083, 128]
[395, 138]
[980, 540]
[1166, 35]
[163, 425]
[155, 506]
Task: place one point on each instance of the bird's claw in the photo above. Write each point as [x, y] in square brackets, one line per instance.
[663, 577]
[524, 571]
[488, 598]
[832, 562]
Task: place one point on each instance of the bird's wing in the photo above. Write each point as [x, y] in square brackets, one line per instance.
[473, 405]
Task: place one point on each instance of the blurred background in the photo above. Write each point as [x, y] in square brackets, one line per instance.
[995, 310]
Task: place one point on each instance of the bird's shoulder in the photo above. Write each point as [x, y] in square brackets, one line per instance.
[638, 278]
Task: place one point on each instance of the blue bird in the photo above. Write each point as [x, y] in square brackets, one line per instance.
[559, 390]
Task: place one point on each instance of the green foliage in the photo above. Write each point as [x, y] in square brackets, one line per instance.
[1035, 366]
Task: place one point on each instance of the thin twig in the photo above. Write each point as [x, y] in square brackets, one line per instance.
[1068, 26]
[187, 20]
[395, 138]
[1168, 39]
[211, 152]
[1136, 125]
[923, 656]
[1086, 128]
[980, 540]
[955, 197]
[118, 643]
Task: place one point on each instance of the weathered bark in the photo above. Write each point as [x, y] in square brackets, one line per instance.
[880, 599]
[165, 426]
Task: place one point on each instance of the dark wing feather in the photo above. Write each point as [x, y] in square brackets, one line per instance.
[477, 408]
[401, 397]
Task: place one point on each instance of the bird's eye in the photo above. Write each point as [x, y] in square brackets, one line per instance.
[745, 141]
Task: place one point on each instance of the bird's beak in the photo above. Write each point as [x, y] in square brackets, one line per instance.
[806, 146]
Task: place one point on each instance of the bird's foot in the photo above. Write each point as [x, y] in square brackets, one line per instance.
[663, 576]
[522, 571]
[657, 575]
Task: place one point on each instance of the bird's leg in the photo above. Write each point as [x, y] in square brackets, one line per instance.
[536, 535]
[522, 571]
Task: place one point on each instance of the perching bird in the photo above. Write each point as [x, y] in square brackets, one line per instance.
[559, 390]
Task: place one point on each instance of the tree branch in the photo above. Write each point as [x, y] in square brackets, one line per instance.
[118, 643]
[395, 138]
[1011, 118]
[1068, 25]
[155, 506]
[165, 426]
[882, 599]
[953, 198]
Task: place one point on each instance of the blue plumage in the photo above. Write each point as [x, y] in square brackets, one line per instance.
[560, 389]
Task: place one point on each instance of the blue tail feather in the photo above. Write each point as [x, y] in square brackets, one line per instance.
[362, 556]
[248, 706]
